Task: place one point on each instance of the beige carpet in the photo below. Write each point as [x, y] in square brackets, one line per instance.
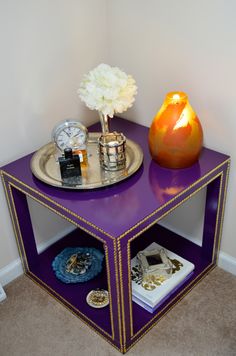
[204, 323]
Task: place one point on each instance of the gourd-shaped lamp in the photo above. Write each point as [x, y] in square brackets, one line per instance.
[175, 135]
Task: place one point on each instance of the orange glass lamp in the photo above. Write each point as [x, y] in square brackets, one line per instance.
[175, 136]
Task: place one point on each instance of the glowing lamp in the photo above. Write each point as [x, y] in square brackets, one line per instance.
[175, 136]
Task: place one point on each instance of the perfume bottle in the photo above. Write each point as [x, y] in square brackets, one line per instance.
[82, 153]
[70, 167]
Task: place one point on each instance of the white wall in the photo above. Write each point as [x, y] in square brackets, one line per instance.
[183, 45]
[46, 47]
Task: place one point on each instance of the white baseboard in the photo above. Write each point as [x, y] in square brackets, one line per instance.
[11, 272]
[227, 262]
[15, 269]
[2, 294]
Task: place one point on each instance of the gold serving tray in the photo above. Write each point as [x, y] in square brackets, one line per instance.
[45, 166]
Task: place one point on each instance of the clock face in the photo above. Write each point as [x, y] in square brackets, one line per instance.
[70, 134]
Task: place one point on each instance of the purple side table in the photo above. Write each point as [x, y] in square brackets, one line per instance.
[120, 220]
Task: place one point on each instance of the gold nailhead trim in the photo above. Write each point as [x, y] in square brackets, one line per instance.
[19, 237]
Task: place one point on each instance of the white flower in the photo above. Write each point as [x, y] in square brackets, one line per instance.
[108, 90]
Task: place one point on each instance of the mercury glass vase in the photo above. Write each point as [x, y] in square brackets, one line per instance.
[175, 135]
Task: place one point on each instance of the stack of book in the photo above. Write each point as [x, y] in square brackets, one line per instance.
[151, 293]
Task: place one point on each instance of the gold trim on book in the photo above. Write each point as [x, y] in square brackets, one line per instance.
[19, 238]
[146, 228]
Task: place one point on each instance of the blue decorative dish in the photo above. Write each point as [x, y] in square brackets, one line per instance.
[78, 264]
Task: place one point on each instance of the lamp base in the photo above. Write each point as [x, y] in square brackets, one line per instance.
[175, 161]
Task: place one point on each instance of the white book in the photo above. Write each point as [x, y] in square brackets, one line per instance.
[150, 299]
[152, 309]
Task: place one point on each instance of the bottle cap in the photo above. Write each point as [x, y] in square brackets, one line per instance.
[68, 153]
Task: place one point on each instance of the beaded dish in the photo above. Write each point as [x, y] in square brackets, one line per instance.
[77, 264]
[98, 298]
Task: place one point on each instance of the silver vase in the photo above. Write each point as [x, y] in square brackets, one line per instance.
[104, 119]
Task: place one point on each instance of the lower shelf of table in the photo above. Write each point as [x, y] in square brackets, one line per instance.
[74, 296]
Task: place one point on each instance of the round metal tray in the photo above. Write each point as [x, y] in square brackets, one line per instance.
[45, 166]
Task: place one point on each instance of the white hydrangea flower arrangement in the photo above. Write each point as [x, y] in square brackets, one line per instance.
[108, 90]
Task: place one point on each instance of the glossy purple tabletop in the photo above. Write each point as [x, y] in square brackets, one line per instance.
[117, 208]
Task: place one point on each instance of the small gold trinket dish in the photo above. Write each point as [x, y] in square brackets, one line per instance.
[98, 298]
